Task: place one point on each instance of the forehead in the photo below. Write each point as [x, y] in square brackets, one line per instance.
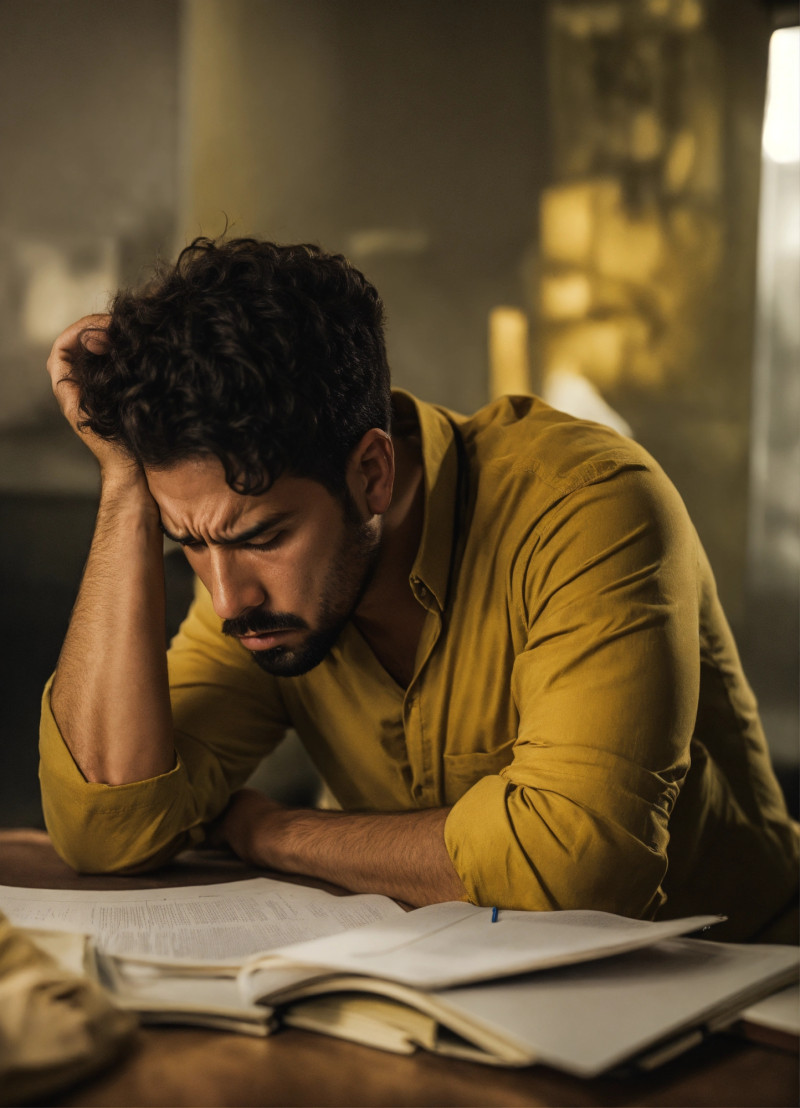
[194, 498]
[190, 481]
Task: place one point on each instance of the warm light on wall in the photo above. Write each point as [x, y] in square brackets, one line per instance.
[568, 220]
[61, 285]
[565, 296]
[781, 140]
[509, 363]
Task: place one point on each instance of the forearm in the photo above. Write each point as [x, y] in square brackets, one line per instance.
[399, 854]
[110, 695]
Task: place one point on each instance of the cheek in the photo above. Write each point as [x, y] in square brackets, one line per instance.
[298, 580]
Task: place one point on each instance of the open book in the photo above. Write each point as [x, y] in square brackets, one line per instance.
[579, 990]
[641, 1008]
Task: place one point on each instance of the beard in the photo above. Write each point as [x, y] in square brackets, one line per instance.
[348, 578]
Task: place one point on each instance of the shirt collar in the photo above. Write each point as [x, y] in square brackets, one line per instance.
[440, 460]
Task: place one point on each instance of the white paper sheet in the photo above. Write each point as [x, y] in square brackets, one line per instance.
[218, 924]
[454, 943]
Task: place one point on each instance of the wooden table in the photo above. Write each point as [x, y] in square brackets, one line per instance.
[188, 1067]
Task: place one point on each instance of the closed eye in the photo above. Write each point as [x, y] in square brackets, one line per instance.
[267, 544]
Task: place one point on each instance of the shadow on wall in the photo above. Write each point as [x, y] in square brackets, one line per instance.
[43, 545]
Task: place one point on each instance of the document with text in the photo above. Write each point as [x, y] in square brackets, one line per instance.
[215, 924]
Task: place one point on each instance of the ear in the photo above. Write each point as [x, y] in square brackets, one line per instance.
[370, 471]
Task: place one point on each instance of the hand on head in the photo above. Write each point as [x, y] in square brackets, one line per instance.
[89, 332]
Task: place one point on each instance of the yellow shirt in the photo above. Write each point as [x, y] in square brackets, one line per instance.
[577, 696]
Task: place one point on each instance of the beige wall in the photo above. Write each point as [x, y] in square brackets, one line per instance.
[88, 126]
[407, 135]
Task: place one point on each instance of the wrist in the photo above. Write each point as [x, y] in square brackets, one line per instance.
[253, 827]
[122, 475]
[124, 489]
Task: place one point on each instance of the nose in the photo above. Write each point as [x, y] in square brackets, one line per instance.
[234, 587]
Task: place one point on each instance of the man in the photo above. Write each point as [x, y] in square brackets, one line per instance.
[497, 636]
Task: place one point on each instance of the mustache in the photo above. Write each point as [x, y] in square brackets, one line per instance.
[260, 622]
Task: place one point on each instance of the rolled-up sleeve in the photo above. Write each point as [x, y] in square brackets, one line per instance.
[227, 714]
[606, 687]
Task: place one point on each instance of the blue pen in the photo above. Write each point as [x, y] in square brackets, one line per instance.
[494, 915]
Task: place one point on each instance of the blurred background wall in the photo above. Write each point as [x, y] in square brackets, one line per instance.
[559, 195]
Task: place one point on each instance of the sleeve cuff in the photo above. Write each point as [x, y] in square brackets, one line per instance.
[98, 828]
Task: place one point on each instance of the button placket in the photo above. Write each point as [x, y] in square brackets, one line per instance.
[418, 745]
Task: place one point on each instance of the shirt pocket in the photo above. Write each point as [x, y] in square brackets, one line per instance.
[462, 771]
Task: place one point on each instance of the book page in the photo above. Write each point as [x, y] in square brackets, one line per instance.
[213, 924]
[585, 1019]
[455, 943]
[151, 991]
[780, 1012]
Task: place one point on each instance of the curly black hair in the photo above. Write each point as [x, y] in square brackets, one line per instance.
[272, 358]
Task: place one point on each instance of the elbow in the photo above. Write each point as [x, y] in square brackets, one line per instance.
[625, 882]
[93, 844]
[544, 855]
[114, 829]
[84, 857]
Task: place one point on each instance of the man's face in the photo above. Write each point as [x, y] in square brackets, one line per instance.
[285, 570]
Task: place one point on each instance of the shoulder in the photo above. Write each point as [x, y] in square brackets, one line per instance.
[522, 434]
[546, 487]
[521, 449]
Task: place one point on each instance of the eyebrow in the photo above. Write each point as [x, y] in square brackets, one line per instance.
[250, 533]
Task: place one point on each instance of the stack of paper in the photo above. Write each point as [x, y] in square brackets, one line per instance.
[582, 991]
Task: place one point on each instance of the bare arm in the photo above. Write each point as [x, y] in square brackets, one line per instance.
[400, 854]
[110, 695]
